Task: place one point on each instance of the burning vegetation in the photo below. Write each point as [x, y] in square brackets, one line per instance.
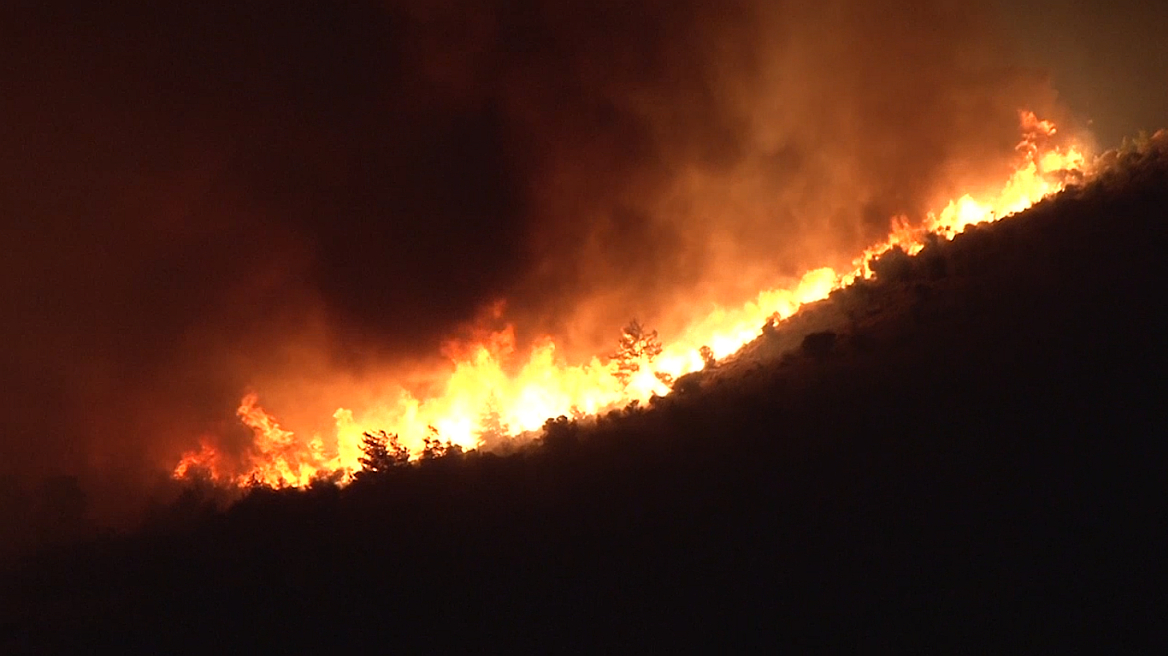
[968, 440]
[495, 394]
[893, 325]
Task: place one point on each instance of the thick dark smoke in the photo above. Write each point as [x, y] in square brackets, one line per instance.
[199, 197]
[1107, 59]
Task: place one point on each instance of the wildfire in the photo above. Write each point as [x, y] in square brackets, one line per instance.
[484, 400]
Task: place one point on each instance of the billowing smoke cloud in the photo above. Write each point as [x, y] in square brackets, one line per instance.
[197, 198]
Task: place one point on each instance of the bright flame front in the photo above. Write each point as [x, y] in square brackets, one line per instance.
[482, 401]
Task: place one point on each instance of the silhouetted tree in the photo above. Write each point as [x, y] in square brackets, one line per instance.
[820, 344]
[636, 346]
[707, 355]
[771, 326]
[493, 432]
[383, 451]
[633, 408]
[326, 479]
[434, 448]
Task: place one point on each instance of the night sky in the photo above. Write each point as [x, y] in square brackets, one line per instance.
[198, 198]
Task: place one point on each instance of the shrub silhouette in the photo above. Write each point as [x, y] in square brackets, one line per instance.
[820, 344]
[560, 434]
[894, 265]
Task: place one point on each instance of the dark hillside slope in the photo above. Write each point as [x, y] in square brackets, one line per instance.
[978, 454]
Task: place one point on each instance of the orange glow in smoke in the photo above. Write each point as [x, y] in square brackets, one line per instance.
[487, 397]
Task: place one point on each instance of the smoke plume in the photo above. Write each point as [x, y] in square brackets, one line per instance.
[200, 198]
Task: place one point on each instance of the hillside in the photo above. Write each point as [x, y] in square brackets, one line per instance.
[967, 449]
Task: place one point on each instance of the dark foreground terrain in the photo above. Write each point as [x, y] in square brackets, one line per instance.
[974, 455]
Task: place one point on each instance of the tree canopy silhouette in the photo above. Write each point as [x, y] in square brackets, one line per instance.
[493, 432]
[434, 447]
[382, 452]
[636, 346]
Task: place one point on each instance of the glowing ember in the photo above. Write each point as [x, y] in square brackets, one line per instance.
[485, 400]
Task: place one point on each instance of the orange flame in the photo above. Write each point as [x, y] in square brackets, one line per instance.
[206, 460]
[485, 384]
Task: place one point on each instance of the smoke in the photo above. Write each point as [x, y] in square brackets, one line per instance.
[200, 199]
